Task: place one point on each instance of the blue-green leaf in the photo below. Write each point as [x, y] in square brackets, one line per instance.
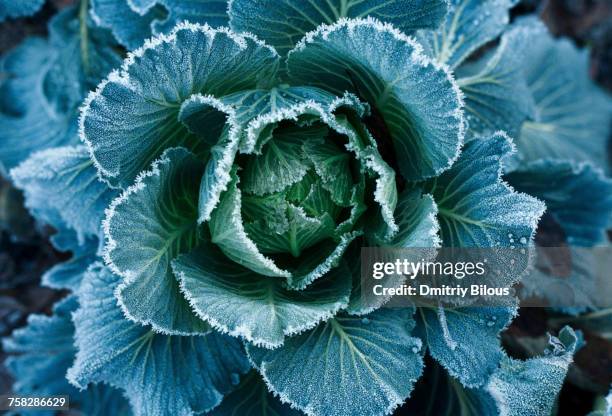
[419, 101]
[384, 227]
[27, 123]
[416, 221]
[282, 161]
[252, 398]
[254, 115]
[303, 232]
[529, 388]
[61, 186]
[465, 341]
[332, 165]
[68, 274]
[283, 23]
[42, 353]
[346, 366]
[83, 54]
[469, 24]
[195, 372]
[578, 196]
[44, 82]
[496, 93]
[133, 21]
[572, 116]
[259, 308]
[128, 27]
[228, 233]
[516, 388]
[214, 122]
[40, 344]
[209, 118]
[21, 8]
[133, 115]
[476, 208]
[262, 110]
[319, 260]
[270, 210]
[418, 228]
[210, 12]
[150, 224]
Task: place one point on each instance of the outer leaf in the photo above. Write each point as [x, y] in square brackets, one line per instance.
[61, 186]
[476, 208]
[84, 54]
[211, 12]
[194, 371]
[517, 388]
[68, 274]
[283, 23]
[25, 124]
[237, 301]
[43, 338]
[321, 371]
[13, 9]
[496, 93]
[132, 117]
[469, 24]
[526, 388]
[578, 196]
[128, 27]
[252, 398]
[46, 351]
[465, 341]
[151, 223]
[133, 21]
[572, 118]
[419, 102]
[45, 82]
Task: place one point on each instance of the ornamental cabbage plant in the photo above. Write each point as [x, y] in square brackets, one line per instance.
[217, 184]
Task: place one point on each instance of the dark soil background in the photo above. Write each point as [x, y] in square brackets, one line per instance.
[25, 252]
